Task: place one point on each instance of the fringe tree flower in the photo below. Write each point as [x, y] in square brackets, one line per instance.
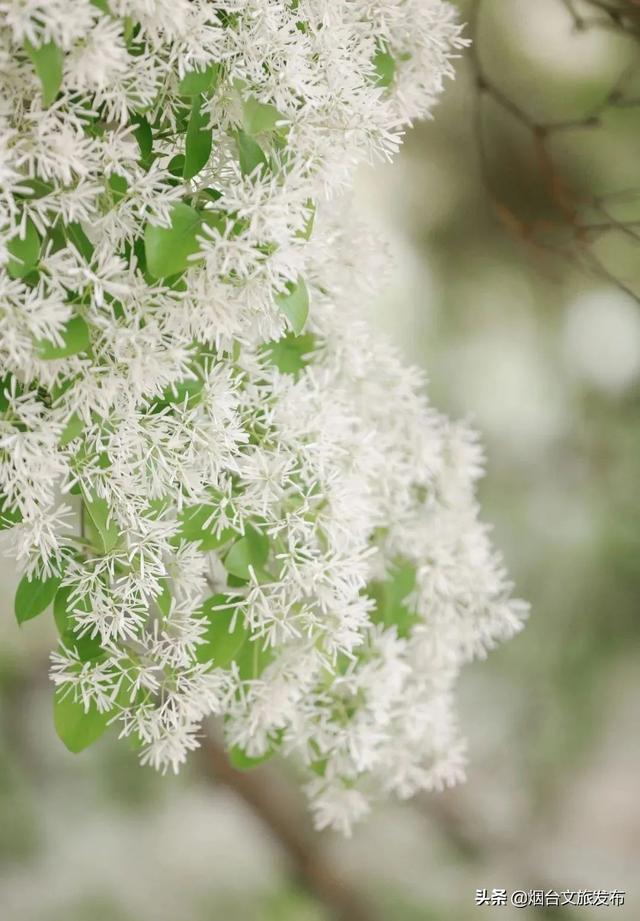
[236, 497]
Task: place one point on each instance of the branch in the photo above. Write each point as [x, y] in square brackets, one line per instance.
[567, 205]
[309, 865]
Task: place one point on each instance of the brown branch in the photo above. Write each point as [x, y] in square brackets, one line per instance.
[567, 205]
[309, 865]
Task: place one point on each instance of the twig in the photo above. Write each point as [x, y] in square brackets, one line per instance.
[567, 205]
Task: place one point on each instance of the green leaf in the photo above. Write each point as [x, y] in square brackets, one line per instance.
[72, 430]
[195, 82]
[47, 60]
[56, 237]
[252, 659]
[291, 353]
[163, 600]
[128, 29]
[6, 387]
[157, 507]
[80, 240]
[8, 516]
[259, 117]
[61, 608]
[102, 5]
[307, 231]
[197, 525]
[75, 338]
[319, 767]
[251, 550]
[221, 644]
[86, 647]
[220, 220]
[250, 153]
[385, 67]
[390, 596]
[24, 252]
[33, 596]
[242, 762]
[118, 185]
[187, 390]
[144, 137]
[182, 392]
[295, 304]
[37, 187]
[197, 521]
[197, 142]
[168, 248]
[176, 165]
[77, 729]
[211, 194]
[106, 527]
[214, 541]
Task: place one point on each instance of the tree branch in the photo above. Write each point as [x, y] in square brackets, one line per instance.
[309, 865]
[568, 207]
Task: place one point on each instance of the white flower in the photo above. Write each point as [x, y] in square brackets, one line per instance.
[337, 807]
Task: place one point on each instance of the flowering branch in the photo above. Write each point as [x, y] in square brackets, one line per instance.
[234, 495]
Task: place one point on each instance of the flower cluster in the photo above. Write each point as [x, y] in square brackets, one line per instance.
[237, 498]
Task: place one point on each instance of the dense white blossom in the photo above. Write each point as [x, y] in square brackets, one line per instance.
[239, 496]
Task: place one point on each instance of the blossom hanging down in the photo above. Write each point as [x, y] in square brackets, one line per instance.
[237, 498]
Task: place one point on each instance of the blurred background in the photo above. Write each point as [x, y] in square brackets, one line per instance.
[515, 220]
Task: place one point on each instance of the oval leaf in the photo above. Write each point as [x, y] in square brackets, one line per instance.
[291, 353]
[75, 338]
[259, 117]
[87, 648]
[163, 600]
[195, 82]
[47, 60]
[385, 67]
[391, 596]
[197, 142]
[252, 660]
[77, 729]
[197, 525]
[61, 608]
[80, 240]
[307, 230]
[144, 136]
[222, 643]
[24, 252]
[294, 304]
[250, 153]
[168, 248]
[8, 516]
[242, 762]
[251, 550]
[33, 596]
[72, 429]
[106, 527]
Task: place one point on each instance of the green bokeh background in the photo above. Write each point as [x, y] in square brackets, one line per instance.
[545, 358]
